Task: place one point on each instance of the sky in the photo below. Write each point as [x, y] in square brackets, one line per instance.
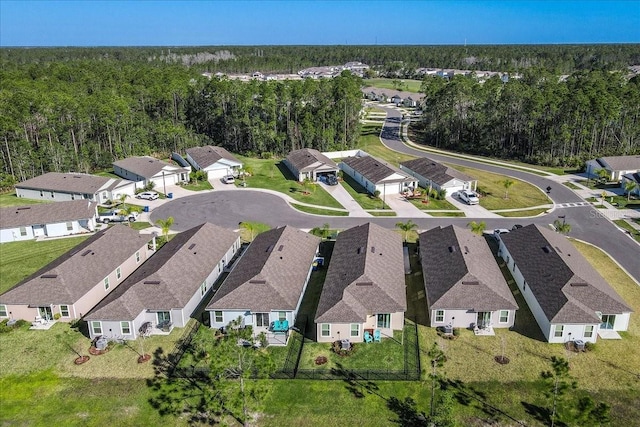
[210, 23]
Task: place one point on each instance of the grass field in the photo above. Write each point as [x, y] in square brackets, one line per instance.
[521, 194]
[319, 211]
[10, 199]
[203, 184]
[369, 141]
[626, 226]
[274, 175]
[361, 195]
[20, 259]
[434, 204]
[405, 85]
[524, 213]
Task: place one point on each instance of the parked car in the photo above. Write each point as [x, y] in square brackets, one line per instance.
[114, 216]
[228, 179]
[329, 179]
[147, 195]
[498, 231]
[516, 226]
[469, 197]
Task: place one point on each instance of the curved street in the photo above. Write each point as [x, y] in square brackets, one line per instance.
[229, 208]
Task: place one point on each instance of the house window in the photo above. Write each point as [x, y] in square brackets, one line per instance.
[608, 320]
[218, 316]
[355, 329]
[282, 315]
[97, 328]
[325, 330]
[558, 331]
[588, 331]
[64, 310]
[3, 310]
[439, 316]
[203, 288]
[106, 283]
[118, 273]
[23, 231]
[137, 257]
[384, 320]
[504, 316]
[262, 319]
[125, 327]
[69, 226]
[163, 316]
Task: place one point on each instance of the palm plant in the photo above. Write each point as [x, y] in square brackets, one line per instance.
[122, 198]
[165, 226]
[406, 228]
[629, 187]
[477, 227]
[507, 183]
[562, 227]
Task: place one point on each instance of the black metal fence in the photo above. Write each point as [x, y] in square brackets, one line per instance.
[180, 347]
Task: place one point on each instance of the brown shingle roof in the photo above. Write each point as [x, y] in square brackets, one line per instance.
[365, 276]
[46, 213]
[460, 272]
[145, 166]
[375, 170]
[305, 157]
[73, 274]
[271, 273]
[563, 282]
[622, 163]
[78, 183]
[434, 171]
[177, 270]
[208, 155]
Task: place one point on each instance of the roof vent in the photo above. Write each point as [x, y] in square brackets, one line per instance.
[466, 250]
[360, 250]
[151, 282]
[558, 249]
[546, 249]
[452, 249]
[270, 248]
[191, 246]
[85, 253]
[24, 208]
[364, 283]
[583, 284]
[471, 282]
[258, 281]
[280, 248]
[48, 276]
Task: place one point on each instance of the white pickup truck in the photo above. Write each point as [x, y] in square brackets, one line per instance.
[115, 216]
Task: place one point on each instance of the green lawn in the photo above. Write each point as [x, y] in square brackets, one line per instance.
[108, 173]
[571, 185]
[524, 213]
[140, 225]
[361, 195]
[405, 85]
[625, 226]
[434, 204]
[369, 141]
[274, 175]
[447, 214]
[382, 213]
[10, 199]
[492, 191]
[20, 259]
[319, 211]
[201, 185]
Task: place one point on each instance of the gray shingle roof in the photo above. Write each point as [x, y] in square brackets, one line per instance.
[434, 171]
[375, 170]
[622, 163]
[563, 282]
[390, 92]
[208, 155]
[300, 159]
[145, 166]
[177, 270]
[73, 274]
[365, 276]
[271, 273]
[78, 183]
[460, 272]
[46, 213]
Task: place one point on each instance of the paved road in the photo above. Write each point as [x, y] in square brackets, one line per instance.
[229, 208]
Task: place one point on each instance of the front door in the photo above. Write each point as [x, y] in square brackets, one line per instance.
[45, 313]
[608, 320]
[38, 230]
[483, 319]
[261, 323]
[164, 317]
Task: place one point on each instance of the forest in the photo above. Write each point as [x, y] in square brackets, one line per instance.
[81, 108]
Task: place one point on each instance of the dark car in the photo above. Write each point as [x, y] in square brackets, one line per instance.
[331, 180]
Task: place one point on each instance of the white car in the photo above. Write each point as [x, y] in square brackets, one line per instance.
[228, 179]
[469, 197]
[147, 195]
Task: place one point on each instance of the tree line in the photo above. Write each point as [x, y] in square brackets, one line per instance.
[540, 118]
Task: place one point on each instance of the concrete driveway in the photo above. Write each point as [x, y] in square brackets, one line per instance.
[471, 211]
[343, 197]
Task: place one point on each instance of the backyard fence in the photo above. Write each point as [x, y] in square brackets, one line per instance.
[173, 358]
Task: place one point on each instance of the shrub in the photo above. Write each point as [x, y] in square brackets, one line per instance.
[57, 316]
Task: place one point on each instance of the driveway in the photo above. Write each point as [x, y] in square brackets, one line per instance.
[343, 197]
[404, 208]
[471, 211]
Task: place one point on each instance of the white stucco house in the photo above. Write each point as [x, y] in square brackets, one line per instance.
[376, 175]
[364, 291]
[463, 283]
[144, 170]
[164, 292]
[431, 174]
[266, 286]
[47, 220]
[215, 161]
[60, 187]
[308, 163]
[568, 298]
[616, 166]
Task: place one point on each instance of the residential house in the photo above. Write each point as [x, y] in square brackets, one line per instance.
[308, 163]
[431, 174]
[631, 177]
[146, 170]
[364, 289]
[47, 220]
[463, 284]
[60, 187]
[215, 161]
[616, 166]
[71, 285]
[376, 175]
[164, 292]
[568, 298]
[266, 286]
[397, 100]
